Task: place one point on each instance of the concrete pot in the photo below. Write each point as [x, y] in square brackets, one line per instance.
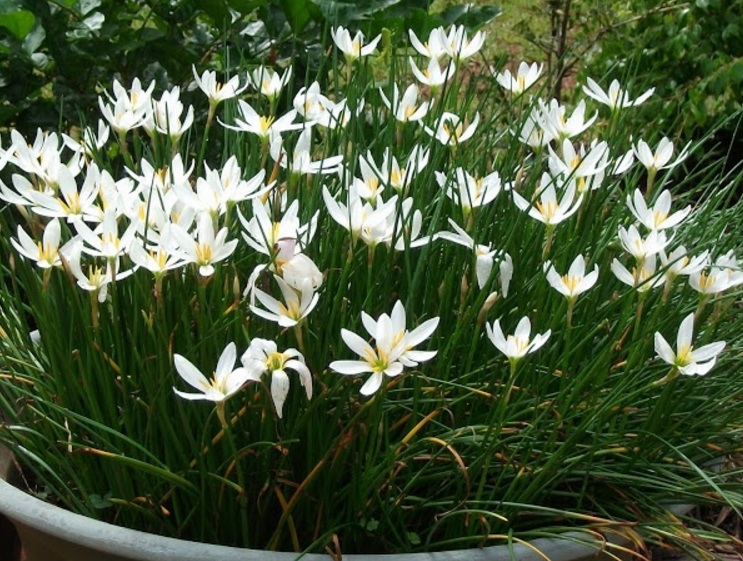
[50, 533]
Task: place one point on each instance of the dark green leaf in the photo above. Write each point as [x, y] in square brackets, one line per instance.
[217, 10]
[474, 17]
[246, 6]
[297, 14]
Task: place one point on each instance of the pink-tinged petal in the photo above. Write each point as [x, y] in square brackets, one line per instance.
[663, 349]
[190, 374]
[279, 390]
[372, 384]
[351, 367]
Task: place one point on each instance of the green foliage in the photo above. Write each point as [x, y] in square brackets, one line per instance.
[56, 55]
[692, 52]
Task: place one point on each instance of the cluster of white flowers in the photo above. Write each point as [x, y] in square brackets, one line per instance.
[172, 218]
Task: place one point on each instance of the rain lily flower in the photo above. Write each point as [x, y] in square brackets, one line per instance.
[105, 241]
[719, 278]
[392, 174]
[268, 82]
[360, 218]
[215, 91]
[226, 380]
[470, 192]
[576, 282]
[90, 141]
[208, 250]
[46, 253]
[729, 264]
[661, 158]
[263, 234]
[353, 48]
[518, 345]
[678, 263]
[406, 109]
[458, 46]
[532, 133]
[262, 356]
[97, 279]
[260, 125]
[643, 277]
[641, 248]
[526, 76]
[615, 98]
[167, 115]
[434, 47]
[301, 161]
[394, 348]
[433, 75]
[552, 119]
[310, 103]
[688, 360]
[485, 257]
[578, 164]
[547, 209]
[299, 302]
[657, 217]
[71, 203]
[450, 129]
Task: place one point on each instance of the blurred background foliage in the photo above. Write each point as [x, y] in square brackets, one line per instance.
[56, 56]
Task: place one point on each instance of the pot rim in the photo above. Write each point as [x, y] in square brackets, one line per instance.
[33, 514]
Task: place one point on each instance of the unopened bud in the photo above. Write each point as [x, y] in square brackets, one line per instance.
[486, 306]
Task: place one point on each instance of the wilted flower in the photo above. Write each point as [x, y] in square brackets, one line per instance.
[263, 356]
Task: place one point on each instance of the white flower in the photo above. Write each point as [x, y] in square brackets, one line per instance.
[268, 82]
[686, 359]
[216, 91]
[353, 48]
[263, 356]
[360, 218]
[575, 282]
[299, 302]
[450, 129]
[392, 174]
[167, 115]
[261, 125]
[519, 344]
[547, 209]
[553, 120]
[434, 47]
[485, 257]
[678, 263]
[393, 351]
[468, 191]
[432, 76]
[532, 133]
[616, 98]
[70, 203]
[225, 381]
[579, 164]
[301, 161]
[526, 76]
[46, 253]
[406, 109]
[208, 250]
[310, 103]
[661, 158]
[642, 278]
[458, 46]
[641, 248]
[656, 218]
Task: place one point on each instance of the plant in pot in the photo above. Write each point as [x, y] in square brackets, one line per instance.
[396, 307]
